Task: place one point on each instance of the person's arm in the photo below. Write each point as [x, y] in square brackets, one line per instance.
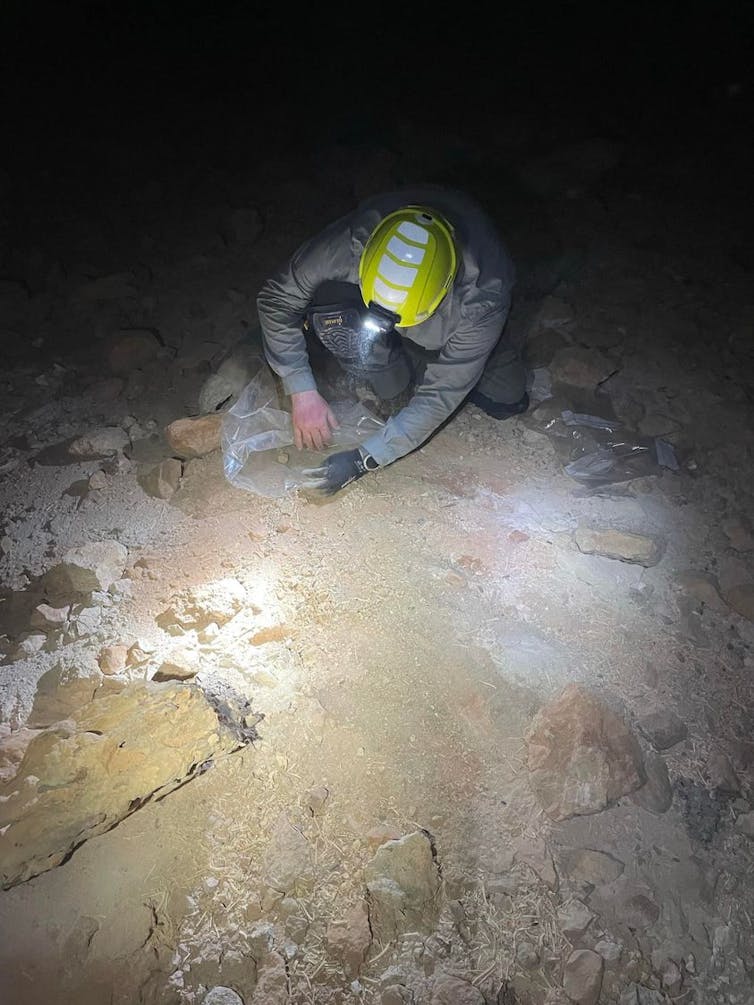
[446, 383]
[281, 305]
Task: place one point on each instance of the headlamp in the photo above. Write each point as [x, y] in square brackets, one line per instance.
[378, 320]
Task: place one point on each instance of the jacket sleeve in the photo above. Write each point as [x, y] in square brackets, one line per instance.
[445, 384]
[284, 298]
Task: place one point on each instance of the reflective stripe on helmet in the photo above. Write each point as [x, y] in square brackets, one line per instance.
[405, 252]
[387, 295]
[395, 274]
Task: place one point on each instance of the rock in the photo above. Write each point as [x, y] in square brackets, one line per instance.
[50, 618]
[721, 773]
[745, 824]
[553, 312]
[30, 644]
[656, 795]
[741, 599]
[580, 368]
[162, 480]
[80, 777]
[316, 799]
[626, 547]
[671, 978]
[272, 981]
[349, 940]
[527, 955]
[588, 868]
[138, 653]
[132, 349]
[61, 692]
[608, 950]
[112, 659]
[574, 917]
[84, 622]
[288, 858]
[219, 995]
[639, 912]
[91, 567]
[581, 756]
[99, 443]
[98, 481]
[663, 728]
[195, 437]
[403, 885]
[533, 851]
[198, 608]
[582, 976]
[221, 389]
[448, 990]
[179, 665]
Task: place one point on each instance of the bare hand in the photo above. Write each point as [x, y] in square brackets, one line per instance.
[313, 420]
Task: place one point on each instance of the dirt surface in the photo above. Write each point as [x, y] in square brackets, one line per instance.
[399, 640]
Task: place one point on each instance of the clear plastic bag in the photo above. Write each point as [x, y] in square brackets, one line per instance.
[595, 451]
[257, 438]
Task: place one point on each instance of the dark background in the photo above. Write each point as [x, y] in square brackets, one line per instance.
[97, 96]
[76, 73]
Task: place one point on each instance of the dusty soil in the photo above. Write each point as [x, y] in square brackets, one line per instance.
[404, 634]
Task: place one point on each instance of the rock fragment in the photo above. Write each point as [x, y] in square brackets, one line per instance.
[195, 437]
[582, 757]
[90, 567]
[582, 976]
[620, 545]
[403, 885]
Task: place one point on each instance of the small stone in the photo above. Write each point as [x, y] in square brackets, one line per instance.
[112, 659]
[178, 666]
[663, 728]
[671, 977]
[219, 995]
[721, 773]
[50, 618]
[138, 653]
[91, 567]
[317, 798]
[30, 644]
[527, 955]
[582, 976]
[105, 442]
[640, 912]
[162, 480]
[656, 795]
[98, 480]
[574, 918]
[621, 545]
[745, 824]
[702, 587]
[609, 951]
[132, 350]
[195, 437]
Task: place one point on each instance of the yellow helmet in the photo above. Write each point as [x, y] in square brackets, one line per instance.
[409, 263]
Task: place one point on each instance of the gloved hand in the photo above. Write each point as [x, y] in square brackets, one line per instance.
[338, 471]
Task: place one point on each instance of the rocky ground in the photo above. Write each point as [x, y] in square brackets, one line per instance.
[476, 730]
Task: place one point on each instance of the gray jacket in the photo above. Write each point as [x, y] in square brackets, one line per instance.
[463, 331]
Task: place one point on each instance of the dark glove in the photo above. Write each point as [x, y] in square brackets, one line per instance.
[338, 471]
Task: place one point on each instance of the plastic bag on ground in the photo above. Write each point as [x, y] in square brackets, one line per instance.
[257, 438]
[598, 451]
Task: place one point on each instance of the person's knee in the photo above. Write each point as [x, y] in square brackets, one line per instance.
[499, 409]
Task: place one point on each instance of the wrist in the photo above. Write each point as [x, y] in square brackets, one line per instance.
[370, 464]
